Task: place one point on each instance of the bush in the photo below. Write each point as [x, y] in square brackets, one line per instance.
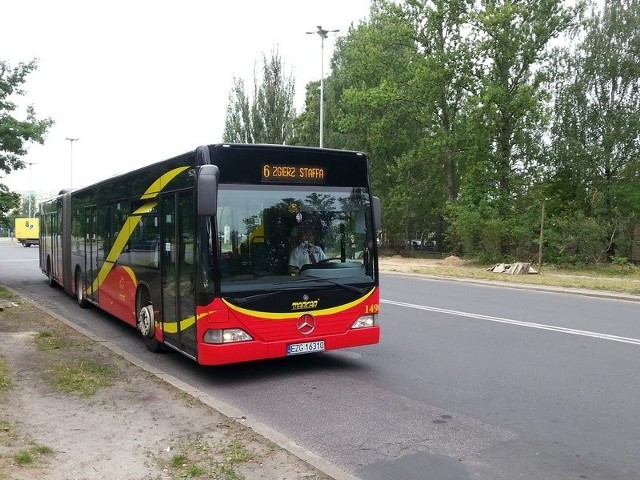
[482, 234]
[620, 261]
[574, 238]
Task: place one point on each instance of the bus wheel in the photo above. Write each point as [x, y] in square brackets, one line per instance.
[146, 324]
[52, 282]
[82, 301]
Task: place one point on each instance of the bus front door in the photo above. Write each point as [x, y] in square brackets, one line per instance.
[177, 267]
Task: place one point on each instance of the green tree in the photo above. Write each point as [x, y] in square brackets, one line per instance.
[268, 115]
[307, 123]
[238, 123]
[596, 146]
[512, 43]
[16, 134]
[444, 83]
[376, 114]
[8, 201]
[401, 80]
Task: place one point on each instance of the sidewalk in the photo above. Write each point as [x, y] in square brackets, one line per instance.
[142, 424]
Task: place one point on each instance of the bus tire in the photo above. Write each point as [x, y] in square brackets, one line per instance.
[80, 298]
[146, 323]
[52, 282]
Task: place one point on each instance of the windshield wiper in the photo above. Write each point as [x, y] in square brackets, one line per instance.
[314, 279]
[255, 298]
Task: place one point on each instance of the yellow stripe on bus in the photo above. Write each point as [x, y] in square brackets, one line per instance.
[297, 313]
[157, 186]
[131, 274]
[130, 224]
[172, 327]
[118, 245]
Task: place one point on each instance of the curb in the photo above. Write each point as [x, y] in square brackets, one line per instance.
[224, 408]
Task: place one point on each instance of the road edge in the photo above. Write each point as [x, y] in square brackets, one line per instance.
[521, 286]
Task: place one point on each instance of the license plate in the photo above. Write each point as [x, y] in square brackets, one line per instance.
[307, 347]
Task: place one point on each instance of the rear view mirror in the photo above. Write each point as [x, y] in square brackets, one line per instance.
[207, 189]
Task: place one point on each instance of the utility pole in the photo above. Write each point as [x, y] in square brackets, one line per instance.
[71, 140]
[323, 34]
[30, 191]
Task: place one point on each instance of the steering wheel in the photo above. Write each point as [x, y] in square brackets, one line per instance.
[307, 266]
[327, 260]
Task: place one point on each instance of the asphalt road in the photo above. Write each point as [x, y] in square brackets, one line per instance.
[469, 381]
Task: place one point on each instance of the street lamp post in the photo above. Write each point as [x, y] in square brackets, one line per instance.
[71, 140]
[323, 34]
[30, 191]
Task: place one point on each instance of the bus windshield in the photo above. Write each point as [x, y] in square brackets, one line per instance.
[258, 229]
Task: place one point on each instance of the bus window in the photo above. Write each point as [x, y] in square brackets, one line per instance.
[145, 241]
[255, 231]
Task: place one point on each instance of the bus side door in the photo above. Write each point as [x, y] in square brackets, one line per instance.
[91, 250]
[177, 236]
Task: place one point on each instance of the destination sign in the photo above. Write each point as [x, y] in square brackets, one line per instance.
[293, 173]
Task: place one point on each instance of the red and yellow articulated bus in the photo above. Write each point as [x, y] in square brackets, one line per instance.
[194, 251]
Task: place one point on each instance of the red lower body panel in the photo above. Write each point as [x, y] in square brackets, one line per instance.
[256, 350]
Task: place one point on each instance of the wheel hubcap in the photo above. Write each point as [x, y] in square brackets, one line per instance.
[145, 322]
[80, 288]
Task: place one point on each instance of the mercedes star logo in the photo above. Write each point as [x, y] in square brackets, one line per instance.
[306, 324]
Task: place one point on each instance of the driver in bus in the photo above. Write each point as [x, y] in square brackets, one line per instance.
[305, 253]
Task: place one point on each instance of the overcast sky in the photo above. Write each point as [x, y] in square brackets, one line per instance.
[138, 81]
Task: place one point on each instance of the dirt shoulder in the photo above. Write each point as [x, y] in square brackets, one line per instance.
[72, 409]
[400, 264]
[618, 281]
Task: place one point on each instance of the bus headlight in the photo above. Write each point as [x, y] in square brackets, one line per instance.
[365, 321]
[226, 335]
